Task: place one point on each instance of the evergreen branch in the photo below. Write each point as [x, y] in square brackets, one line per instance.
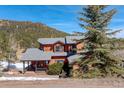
[84, 20]
[114, 32]
[107, 17]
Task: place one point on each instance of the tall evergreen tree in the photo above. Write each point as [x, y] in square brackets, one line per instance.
[98, 60]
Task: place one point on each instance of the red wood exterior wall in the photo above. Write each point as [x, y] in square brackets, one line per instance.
[42, 63]
[47, 47]
[67, 48]
[55, 58]
[50, 47]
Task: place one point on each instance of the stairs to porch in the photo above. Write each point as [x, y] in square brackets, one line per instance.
[41, 73]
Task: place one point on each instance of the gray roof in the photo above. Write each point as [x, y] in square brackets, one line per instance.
[59, 54]
[74, 58]
[35, 54]
[72, 39]
[51, 40]
[66, 40]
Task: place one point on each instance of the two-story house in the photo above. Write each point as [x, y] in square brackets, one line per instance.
[52, 50]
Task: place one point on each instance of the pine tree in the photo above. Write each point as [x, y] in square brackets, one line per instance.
[98, 59]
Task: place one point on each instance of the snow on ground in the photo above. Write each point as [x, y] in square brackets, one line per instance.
[4, 64]
[26, 78]
[18, 66]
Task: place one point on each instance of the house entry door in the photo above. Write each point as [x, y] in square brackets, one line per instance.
[41, 65]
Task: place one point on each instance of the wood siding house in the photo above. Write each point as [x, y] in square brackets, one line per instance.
[52, 50]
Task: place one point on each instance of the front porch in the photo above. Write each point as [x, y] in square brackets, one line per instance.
[35, 66]
[36, 59]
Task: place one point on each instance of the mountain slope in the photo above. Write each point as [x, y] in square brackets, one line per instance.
[46, 31]
[24, 34]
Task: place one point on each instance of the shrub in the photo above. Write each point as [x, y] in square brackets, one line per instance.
[93, 74]
[54, 69]
[76, 73]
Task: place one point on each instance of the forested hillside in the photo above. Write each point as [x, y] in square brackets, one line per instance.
[16, 36]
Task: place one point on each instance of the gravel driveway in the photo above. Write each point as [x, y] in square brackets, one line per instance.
[66, 83]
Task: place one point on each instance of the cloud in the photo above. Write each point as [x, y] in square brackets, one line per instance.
[119, 34]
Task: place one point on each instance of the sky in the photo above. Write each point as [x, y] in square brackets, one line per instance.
[61, 17]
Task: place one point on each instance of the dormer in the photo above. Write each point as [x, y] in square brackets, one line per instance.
[59, 46]
[52, 44]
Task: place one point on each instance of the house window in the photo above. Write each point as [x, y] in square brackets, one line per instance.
[59, 48]
[47, 62]
[72, 49]
[60, 61]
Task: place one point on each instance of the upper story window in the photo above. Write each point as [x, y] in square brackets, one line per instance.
[58, 48]
[72, 48]
[60, 61]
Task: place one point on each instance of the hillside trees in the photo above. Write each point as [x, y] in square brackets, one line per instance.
[15, 35]
[3, 44]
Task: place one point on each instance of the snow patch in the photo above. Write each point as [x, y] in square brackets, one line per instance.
[18, 66]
